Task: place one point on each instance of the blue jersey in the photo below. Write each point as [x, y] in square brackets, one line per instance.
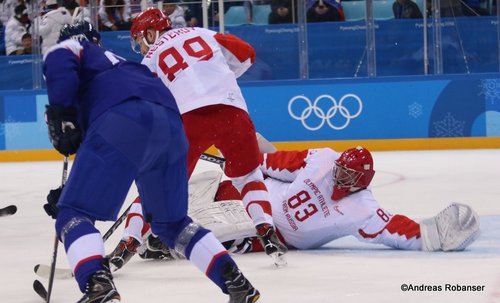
[93, 79]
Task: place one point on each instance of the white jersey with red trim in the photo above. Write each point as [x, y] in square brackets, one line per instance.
[200, 66]
[300, 187]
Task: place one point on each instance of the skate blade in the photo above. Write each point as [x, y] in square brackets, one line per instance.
[279, 259]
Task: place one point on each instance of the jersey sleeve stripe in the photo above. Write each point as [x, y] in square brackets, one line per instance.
[400, 225]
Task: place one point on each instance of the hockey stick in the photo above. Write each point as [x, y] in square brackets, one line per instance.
[8, 210]
[37, 285]
[56, 239]
[64, 273]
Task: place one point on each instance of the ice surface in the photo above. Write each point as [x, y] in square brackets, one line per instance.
[416, 184]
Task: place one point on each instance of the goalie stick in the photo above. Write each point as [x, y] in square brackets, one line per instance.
[8, 210]
[213, 159]
[43, 270]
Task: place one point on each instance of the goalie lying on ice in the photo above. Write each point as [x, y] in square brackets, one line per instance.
[317, 196]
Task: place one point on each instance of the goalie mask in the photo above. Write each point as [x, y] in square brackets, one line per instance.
[352, 171]
[151, 18]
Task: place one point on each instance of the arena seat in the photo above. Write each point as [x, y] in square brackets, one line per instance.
[260, 14]
[354, 10]
[382, 10]
[235, 15]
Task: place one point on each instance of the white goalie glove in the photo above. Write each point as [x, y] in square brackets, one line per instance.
[452, 229]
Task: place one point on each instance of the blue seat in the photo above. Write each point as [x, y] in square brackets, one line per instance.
[382, 10]
[354, 10]
[260, 14]
[235, 15]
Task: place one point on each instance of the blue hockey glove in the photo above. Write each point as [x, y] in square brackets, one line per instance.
[64, 132]
[52, 198]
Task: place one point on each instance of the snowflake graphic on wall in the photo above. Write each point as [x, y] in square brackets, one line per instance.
[9, 120]
[490, 88]
[449, 127]
[415, 110]
[12, 127]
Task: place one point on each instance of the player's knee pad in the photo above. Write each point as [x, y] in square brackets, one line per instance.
[254, 176]
[69, 219]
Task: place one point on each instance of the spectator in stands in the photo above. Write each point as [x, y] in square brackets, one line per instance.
[283, 11]
[191, 15]
[18, 25]
[134, 7]
[114, 15]
[7, 10]
[406, 9]
[27, 43]
[324, 10]
[75, 10]
[52, 20]
[449, 8]
[194, 16]
[175, 13]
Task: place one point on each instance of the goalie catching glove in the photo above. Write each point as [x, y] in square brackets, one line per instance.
[64, 132]
[453, 229]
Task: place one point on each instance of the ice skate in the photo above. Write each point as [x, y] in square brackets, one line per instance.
[125, 250]
[272, 244]
[239, 288]
[101, 289]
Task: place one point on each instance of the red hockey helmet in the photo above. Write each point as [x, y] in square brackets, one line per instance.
[152, 18]
[352, 171]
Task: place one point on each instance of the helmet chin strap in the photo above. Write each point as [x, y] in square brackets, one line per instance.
[157, 34]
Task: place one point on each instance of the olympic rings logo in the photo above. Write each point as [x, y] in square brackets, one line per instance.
[319, 113]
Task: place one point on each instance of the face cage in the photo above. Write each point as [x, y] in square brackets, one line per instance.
[345, 177]
[136, 46]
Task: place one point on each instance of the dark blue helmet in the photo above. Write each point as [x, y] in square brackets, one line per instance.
[81, 30]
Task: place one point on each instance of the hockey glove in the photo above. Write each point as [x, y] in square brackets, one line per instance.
[52, 198]
[64, 132]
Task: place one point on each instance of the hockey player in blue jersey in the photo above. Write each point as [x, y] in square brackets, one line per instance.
[126, 127]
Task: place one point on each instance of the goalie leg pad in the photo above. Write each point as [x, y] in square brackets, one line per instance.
[203, 187]
[453, 229]
[228, 220]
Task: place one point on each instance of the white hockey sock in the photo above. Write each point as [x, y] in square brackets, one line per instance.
[255, 210]
[135, 223]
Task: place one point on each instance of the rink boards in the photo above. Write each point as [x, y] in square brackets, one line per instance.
[403, 113]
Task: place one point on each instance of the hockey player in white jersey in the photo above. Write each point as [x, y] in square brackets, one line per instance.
[319, 195]
[200, 67]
